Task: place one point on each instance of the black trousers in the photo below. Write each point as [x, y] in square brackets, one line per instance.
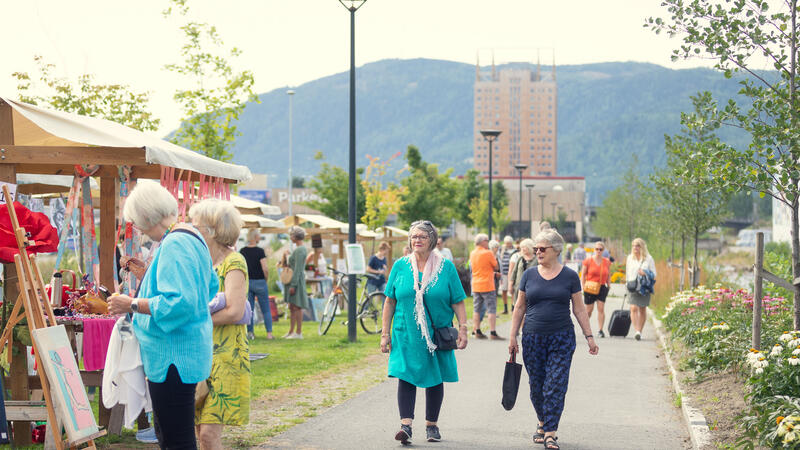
[407, 398]
[173, 412]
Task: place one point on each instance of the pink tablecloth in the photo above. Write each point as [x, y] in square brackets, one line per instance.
[96, 334]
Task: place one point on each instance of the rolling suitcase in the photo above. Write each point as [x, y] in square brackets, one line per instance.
[620, 322]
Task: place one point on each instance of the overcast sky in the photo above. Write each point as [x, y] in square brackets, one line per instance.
[290, 42]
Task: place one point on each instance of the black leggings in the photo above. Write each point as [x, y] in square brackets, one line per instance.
[407, 398]
[173, 411]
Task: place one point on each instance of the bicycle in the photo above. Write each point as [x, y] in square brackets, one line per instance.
[370, 306]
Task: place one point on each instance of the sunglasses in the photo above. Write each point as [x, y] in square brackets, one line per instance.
[540, 249]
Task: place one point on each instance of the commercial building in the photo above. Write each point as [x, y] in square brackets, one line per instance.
[522, 103]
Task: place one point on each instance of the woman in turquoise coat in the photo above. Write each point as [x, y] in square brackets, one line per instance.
[421, 285]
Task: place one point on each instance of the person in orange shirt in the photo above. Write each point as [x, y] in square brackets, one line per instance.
[484, 292]
[597, 269]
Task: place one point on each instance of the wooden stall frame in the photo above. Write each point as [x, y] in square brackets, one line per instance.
[33, 300]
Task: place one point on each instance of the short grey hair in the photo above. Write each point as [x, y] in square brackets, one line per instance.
[221, 218]
[480, 237]
[508, 239]
[527, 244]
[429, 229]
[493, 245]
[297, 233]
[253, 234]
[149, 204]
[552, 238]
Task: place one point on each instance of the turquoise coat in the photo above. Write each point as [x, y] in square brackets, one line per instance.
[410, 359]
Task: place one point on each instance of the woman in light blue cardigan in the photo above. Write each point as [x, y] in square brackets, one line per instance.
[171, 318]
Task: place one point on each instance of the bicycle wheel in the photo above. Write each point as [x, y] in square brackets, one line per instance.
[370, 314]
[328, 313]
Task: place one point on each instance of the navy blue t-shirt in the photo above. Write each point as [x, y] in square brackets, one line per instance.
[548, 301]
[377, 264]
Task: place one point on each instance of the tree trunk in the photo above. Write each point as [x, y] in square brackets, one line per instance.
[695, 270]
[794, 179]
[683, 260]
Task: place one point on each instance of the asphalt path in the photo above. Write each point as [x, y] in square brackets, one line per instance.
[619, 399]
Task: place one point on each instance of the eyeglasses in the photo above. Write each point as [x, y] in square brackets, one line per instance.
[419, 237]
[540, 249]
[599, 249]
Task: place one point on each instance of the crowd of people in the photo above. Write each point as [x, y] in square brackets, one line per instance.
[193, 314]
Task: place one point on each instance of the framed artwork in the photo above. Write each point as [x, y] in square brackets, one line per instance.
[66, 386]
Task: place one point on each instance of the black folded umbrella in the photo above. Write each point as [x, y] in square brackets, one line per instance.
[511, 382]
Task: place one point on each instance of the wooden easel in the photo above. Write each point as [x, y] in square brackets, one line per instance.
[32, 304]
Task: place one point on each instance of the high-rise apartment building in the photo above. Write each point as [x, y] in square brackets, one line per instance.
[522, 103]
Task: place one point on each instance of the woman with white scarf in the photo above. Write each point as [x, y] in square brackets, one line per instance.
[421, 285]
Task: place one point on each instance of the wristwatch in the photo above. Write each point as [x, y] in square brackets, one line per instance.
[135, 305]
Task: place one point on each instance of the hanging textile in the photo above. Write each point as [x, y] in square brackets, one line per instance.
[129, 238]
[79, 209]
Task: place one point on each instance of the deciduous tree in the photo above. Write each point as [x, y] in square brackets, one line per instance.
[114, 102]
[218, 93]
[739, 35]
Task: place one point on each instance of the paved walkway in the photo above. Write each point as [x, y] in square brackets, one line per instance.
[620, 399]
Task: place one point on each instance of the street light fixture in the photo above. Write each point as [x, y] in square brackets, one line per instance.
[490, 136]
[290, 93]
[530, 213]
[520, 168]
[351, 189]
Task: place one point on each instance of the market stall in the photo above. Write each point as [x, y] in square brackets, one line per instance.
[38, 141]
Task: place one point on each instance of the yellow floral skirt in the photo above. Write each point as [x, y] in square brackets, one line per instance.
[228, 400]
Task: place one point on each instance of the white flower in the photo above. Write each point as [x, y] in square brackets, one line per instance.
[796, 351]
[786, 336]
[789, 437]
[794, 360]
[759, 371]
[776, 350]
[794, 342]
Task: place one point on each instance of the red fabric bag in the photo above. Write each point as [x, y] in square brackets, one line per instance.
[43, 235]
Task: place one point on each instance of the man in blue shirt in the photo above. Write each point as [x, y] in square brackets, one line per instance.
[377, 266]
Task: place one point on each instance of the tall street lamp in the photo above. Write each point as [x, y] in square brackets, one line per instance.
[490, 136]
[530, 213]
[541, 208]
[520, 168]
[290, 93]
[351, 189]
[553, 204]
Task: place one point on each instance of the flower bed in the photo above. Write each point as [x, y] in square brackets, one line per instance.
[715, 325]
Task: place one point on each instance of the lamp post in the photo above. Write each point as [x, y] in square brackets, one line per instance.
[520, 168]
[290, 93]
[553, 204]
[351, 189]
[530, 213]
[490, 136]
[541, 208]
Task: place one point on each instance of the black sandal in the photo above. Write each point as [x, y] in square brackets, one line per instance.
[538, 437]
[550, 443]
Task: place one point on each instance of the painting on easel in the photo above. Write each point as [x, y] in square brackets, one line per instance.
[66, 385]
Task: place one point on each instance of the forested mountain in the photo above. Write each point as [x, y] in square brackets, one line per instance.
[606, 113]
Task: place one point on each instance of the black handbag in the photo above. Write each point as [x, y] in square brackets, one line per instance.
[511, 380]
[632, 285]
[445, 338]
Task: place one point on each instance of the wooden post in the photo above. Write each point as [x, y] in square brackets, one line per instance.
[108, 245]
[757, 273]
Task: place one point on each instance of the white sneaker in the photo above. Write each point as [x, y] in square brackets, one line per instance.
[148, 436]
[295, 336]
[638, 336]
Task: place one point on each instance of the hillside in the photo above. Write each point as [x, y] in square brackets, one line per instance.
[606, 113]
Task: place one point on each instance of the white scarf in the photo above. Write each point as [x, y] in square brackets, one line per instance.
[429, 277]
